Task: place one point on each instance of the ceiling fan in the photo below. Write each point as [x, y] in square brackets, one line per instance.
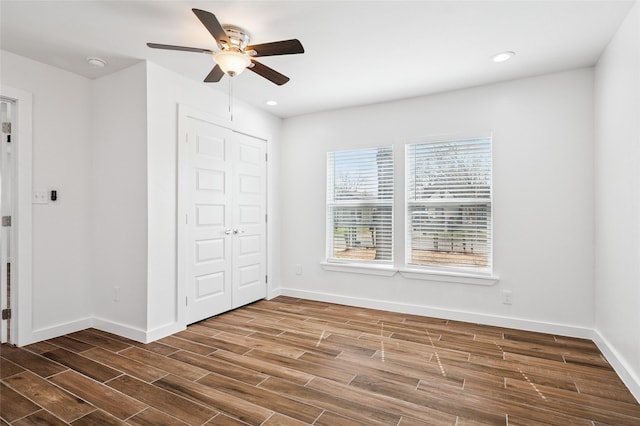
[235, 54]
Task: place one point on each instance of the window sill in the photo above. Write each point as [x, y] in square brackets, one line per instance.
[449, 277]
[380, 270]
[413, 274]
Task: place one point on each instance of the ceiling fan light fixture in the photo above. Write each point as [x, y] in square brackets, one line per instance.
[235, 54]
[232, 62]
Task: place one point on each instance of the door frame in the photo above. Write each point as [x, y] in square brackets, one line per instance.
[7, 172]
[186, 112]
[21, 259]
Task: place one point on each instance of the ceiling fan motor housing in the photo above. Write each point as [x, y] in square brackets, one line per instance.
[238, 37]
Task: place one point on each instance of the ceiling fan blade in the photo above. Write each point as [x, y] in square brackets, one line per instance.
[215, 75]
[212, 24]
[284, 47]
[268, 73]
[183, 48]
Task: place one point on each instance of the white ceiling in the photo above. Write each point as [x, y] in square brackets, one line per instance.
[357, 52]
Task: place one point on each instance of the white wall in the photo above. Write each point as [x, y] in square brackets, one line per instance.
[617, 183]
[166, 90]
[61, 160]
[119, 199]
[543, 201]
[108, 146]
[136, 115]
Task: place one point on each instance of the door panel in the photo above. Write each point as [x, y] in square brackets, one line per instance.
[209, 285]
[209, 248]
[249, 248]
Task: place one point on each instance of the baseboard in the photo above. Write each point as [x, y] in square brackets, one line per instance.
[163, 331]
[631, 380]
[405, 308]
[274, 293]
[56, 331]
[133, 333]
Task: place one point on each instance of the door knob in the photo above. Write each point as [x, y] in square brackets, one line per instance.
[228, 231]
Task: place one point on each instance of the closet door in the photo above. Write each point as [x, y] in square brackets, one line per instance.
[209, 220]
[249, 207]
[223, 177]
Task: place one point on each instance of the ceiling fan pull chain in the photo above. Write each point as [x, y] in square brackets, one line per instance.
[231, 97]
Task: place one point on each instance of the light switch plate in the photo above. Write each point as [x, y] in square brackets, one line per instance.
[40, 197]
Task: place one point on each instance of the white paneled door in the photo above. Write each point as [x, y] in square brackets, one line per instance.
[249, 182]
[225, 184]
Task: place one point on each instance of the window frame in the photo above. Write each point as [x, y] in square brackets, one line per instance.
[450, 273]
[399, 248]
[375, 267]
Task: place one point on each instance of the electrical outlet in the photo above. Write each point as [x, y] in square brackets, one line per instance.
[116, 294]
[507, 297]
[298, 269]
[40, 197]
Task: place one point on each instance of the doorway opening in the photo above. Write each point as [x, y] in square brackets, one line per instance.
[7, 199]
[19, 107]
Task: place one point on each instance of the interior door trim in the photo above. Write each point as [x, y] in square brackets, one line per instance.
[22, 263]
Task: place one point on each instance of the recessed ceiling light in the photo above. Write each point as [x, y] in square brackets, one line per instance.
[503, 56]
[271, 103]
[96, 62]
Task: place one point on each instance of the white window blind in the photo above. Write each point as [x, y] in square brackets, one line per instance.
[360, 205]
[449, 204]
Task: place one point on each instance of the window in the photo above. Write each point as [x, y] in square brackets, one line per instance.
[448, 187]
[360, 205]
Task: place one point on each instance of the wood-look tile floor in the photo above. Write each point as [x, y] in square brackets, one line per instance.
[292, 362]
